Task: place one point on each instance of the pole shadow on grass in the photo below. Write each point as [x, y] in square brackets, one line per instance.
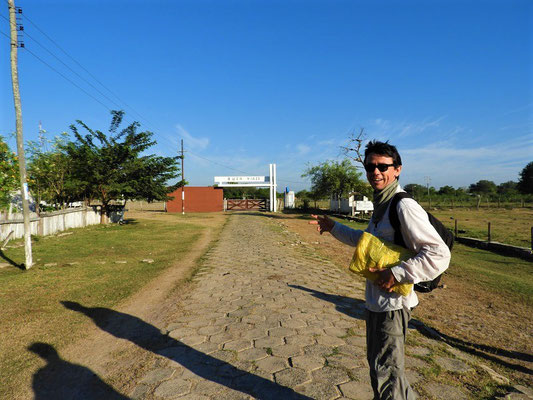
[12, 262]
[60, 379]
[490, 353]
[148, 337]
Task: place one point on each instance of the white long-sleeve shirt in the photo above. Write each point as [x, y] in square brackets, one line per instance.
[432, 255]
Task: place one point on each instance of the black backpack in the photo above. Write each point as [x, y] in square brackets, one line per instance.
[444, 233]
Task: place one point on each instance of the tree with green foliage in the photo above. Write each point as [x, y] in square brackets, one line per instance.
[447, 190]
[50, 172]
[337, 179]
[508, 188]
[246, 193]
[483, 187]
[414, 189]
[9, 173]
[110, 167]
[525, 183]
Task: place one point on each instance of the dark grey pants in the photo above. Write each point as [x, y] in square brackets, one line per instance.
[385, 341]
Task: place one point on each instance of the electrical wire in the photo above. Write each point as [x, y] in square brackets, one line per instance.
[101, 84]
[6, 35]
[81, 66]
[66, 78]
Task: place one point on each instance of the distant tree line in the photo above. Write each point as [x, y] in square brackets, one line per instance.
[93, 167]
[339, 178]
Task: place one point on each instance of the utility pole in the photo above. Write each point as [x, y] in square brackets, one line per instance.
[428, 180]
[20, 141]
[182, 181]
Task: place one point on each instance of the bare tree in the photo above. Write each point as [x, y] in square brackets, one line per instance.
[353, 149]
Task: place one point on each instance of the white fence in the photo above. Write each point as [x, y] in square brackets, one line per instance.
[49, 223]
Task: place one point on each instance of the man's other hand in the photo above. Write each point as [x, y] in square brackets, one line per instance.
[323, 222]
[386, 279]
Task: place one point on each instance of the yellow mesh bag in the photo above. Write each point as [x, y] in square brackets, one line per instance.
[372, 252]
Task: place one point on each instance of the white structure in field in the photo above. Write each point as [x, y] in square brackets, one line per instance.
[350, 205]
[289, 199]
[253, 181]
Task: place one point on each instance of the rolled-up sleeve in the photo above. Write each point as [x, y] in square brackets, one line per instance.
[432, 254]
[346, 234]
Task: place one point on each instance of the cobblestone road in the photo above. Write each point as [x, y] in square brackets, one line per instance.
[268, 318]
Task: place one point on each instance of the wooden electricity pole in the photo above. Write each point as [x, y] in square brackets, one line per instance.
[20, 141]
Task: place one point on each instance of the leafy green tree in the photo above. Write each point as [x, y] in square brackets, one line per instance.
[109, 167]
[509, 188]
[302, 194]
[9, 173]
[447, 190]
[246, 193]
[483, 187]
[525, 183]
[414, 189]
[50, 172]
[334, 178]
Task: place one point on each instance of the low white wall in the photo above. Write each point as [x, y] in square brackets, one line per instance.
[49, 223]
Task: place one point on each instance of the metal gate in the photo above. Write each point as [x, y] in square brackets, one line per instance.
[247, 204]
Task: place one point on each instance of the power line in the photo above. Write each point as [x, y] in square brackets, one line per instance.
[6, 35]
[100, 83]
[147, 122]
[217, 163]
[64, 77]
[83, 68]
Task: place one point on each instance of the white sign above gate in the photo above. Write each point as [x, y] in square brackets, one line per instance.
[253, 181]
[240, 179]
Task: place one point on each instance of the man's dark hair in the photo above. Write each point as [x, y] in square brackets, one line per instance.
[383, 149]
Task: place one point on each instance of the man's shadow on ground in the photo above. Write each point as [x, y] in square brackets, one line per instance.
[480, 350]
[60, 379]
[352, 307]
[147, 336]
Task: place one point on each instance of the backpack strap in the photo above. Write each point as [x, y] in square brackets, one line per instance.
[394, 219]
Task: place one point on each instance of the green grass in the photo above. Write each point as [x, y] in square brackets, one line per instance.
[507, 226]
[30, 308]
[507, 275]
[510, 276]
[510, 226]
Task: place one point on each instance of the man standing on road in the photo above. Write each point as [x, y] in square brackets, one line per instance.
[387, 313]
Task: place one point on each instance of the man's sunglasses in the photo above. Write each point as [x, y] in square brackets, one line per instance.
[380, 167]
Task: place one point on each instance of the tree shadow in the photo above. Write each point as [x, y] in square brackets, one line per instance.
[60, 379]
[148, 337]
[346, 305]
[10, 261]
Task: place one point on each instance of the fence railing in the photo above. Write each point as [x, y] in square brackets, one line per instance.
[48, 223]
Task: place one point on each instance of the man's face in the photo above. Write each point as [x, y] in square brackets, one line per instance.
[377, 179]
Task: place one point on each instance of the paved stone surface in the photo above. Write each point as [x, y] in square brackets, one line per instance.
[268, 320]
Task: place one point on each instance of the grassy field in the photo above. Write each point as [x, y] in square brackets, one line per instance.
[493, 272]
[511, 226]
[96, 266]
[508, 225]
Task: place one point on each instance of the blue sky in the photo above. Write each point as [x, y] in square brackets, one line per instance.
[247, 83]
